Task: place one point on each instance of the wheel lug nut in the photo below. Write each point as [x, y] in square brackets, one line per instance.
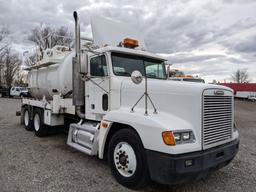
[119, 167]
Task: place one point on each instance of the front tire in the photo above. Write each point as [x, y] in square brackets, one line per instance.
[127, 159]
[40, 128]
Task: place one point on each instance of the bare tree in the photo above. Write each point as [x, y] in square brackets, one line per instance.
[46, 37]
[4, 32]
[30, 59]
[11, 64]
[240, 76]
[62, 36]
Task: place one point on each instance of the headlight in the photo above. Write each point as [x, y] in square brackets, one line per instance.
[178, 137]
[184, 137]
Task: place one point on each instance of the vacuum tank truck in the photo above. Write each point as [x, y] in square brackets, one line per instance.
[118, 104]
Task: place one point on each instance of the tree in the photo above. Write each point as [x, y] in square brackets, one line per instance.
[240, 76]
[4, 32]
[10, 65]
[46, 37]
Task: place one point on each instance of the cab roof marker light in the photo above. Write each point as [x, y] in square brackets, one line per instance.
[130, 43]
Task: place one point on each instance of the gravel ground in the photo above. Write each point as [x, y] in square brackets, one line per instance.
[29, 163]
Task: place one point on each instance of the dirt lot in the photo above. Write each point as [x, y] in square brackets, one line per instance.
[29, 163]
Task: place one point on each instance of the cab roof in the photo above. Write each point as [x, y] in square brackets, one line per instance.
[130, 52]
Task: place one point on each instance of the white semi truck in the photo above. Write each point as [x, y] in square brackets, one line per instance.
[119, 105]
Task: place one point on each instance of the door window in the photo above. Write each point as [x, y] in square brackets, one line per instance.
[98, 66]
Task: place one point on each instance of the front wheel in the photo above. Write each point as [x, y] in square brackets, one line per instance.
[127, 159]
[40, 128]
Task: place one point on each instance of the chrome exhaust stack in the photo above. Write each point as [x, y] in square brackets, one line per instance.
[78, 84]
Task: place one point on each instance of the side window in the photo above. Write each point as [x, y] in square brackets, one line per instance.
[98, 66]
[17, 89]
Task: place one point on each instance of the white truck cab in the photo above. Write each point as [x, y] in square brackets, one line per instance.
[124, 109]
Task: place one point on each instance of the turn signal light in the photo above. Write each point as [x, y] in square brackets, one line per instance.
[168, 138]
[104, 124]
[132, 43]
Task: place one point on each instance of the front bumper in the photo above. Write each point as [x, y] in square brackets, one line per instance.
[171, 169]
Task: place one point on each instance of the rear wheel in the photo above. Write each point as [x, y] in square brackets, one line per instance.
[127, 159]
[40, 128]
[25, 118]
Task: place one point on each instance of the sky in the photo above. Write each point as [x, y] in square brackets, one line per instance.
[209, 38]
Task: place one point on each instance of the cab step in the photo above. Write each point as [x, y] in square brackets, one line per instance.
[83, 136]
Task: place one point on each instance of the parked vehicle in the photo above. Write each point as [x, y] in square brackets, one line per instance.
[18, 91]
[251, 97]
[117, 101]
[4, 91]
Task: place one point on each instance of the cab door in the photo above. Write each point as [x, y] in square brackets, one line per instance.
[97, 88]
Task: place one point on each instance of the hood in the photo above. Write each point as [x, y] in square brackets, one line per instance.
[182, 100]
[166, 95]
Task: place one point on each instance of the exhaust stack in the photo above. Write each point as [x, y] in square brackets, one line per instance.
[78, 84]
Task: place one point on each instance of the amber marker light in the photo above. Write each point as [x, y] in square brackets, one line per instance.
[104, 124]
[128, 42]
[168, 138]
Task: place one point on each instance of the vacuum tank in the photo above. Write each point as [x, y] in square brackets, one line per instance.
[53, 74]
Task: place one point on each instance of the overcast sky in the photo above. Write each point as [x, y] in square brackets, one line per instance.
[208, 38]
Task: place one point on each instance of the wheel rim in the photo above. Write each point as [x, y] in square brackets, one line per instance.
[125, 159]
[36, 122]
[26, 118]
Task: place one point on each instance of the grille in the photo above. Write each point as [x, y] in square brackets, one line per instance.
[217, 120]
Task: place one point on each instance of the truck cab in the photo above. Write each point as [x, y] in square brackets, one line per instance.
[18, 91]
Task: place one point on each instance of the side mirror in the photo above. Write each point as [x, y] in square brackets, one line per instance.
[136, 77]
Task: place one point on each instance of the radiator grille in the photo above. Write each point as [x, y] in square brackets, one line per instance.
[217, 120]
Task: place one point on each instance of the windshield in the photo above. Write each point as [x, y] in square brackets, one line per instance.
[124, 65]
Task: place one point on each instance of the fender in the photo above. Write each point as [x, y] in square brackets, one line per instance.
[149, 128]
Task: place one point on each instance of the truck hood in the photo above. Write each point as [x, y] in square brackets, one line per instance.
[167, 96]
[174, 101]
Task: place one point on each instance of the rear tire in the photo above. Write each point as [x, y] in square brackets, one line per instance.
[40, 128]
[127, 159]
[25, 118]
